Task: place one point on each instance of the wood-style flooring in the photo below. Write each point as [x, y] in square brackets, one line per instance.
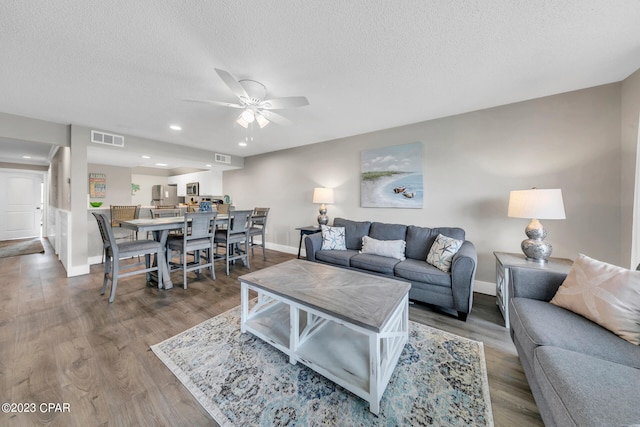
[62, 343]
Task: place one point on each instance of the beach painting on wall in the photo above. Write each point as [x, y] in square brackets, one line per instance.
[392, 177]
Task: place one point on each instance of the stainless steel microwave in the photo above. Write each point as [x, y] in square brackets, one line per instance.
[193, 189]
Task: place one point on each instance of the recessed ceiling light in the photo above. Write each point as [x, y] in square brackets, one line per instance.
[162, 164]
[175, 127]
[242, 144]
[208, 166]
[146, 157]
[26, 157]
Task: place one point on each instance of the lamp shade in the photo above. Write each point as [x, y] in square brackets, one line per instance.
[536, 203]
[323, 195]
[262, 120]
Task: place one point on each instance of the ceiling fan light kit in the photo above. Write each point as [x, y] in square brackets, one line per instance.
[251, 98]
[248, 116]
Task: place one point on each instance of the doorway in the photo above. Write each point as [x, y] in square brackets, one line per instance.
[21, 204]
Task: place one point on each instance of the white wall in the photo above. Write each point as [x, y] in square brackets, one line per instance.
[471, 162]
[629, 134]
[143, 196]
[210, 182]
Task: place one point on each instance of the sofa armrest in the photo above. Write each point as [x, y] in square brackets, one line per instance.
[312, 244]
[534, 283]
[463, 271]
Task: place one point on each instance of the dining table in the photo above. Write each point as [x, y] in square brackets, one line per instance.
[160, 227]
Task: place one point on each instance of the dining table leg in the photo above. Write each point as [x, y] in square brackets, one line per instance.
[166, 282]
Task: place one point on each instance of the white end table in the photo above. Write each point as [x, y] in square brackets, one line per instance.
[505, 260]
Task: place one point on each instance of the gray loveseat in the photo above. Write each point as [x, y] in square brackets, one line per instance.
[580, 374]
[450, 290]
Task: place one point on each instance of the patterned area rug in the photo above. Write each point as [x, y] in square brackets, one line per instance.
[20, 247]
[240, 380]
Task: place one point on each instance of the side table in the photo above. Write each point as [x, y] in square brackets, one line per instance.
[310, 229]
[505, 260]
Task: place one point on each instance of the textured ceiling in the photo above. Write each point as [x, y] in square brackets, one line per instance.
[127, 66]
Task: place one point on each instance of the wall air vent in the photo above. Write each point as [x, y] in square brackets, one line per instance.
[223, 158]
[107, 138]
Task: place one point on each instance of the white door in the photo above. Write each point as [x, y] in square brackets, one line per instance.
[20, 205]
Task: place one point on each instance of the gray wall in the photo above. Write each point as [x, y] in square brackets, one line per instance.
[27, 129]
[118, 181]
[471, 162]
[59, 177]
[80, 137]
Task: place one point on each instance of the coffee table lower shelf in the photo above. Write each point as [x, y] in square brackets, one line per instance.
[359, 359]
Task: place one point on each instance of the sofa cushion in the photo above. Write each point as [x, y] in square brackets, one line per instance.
[333, 238]
[388, 248]
[377, 263]
[420, 271]
[340, 258]
[442, 251]
[538, 323]
[582, 390]
[354, 231]
[382, 231]
[420, 239]
[604, 293]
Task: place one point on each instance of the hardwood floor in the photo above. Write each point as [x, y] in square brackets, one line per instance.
[61, 342]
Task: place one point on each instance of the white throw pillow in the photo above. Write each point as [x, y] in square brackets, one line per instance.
[605, 294]
[442, 251]
[388, 248]
[333, 238]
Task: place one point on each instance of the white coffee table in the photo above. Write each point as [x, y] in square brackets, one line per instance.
[349, 327]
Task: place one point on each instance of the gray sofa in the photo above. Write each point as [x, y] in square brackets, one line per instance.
[449, 290]
[580, 374]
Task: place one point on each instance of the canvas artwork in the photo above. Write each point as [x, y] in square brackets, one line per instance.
[97, 185]
[392, 177]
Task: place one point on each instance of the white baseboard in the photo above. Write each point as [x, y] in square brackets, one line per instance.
[283, 248]
[95, 260]
[487, 288]
[77, 270]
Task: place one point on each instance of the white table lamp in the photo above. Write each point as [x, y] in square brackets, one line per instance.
[536, 204]
[323, 195]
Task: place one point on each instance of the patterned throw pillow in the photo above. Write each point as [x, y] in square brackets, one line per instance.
[605, 294]
[442, 252]
[333, 238]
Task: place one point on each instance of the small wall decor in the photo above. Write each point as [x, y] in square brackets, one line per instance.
[392, 177]
[134, 188]
[97, 185]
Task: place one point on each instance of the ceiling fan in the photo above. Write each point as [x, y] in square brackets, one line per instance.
[251, 99]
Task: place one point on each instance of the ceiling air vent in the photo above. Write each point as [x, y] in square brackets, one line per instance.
[107, 138]
[223, 158]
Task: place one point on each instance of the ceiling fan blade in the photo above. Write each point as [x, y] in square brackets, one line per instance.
[232, 83]
[276, 118]
[221, 103]
[286, 102]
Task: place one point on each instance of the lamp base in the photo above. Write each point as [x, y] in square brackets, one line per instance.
[323, 219]
[535, 248]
